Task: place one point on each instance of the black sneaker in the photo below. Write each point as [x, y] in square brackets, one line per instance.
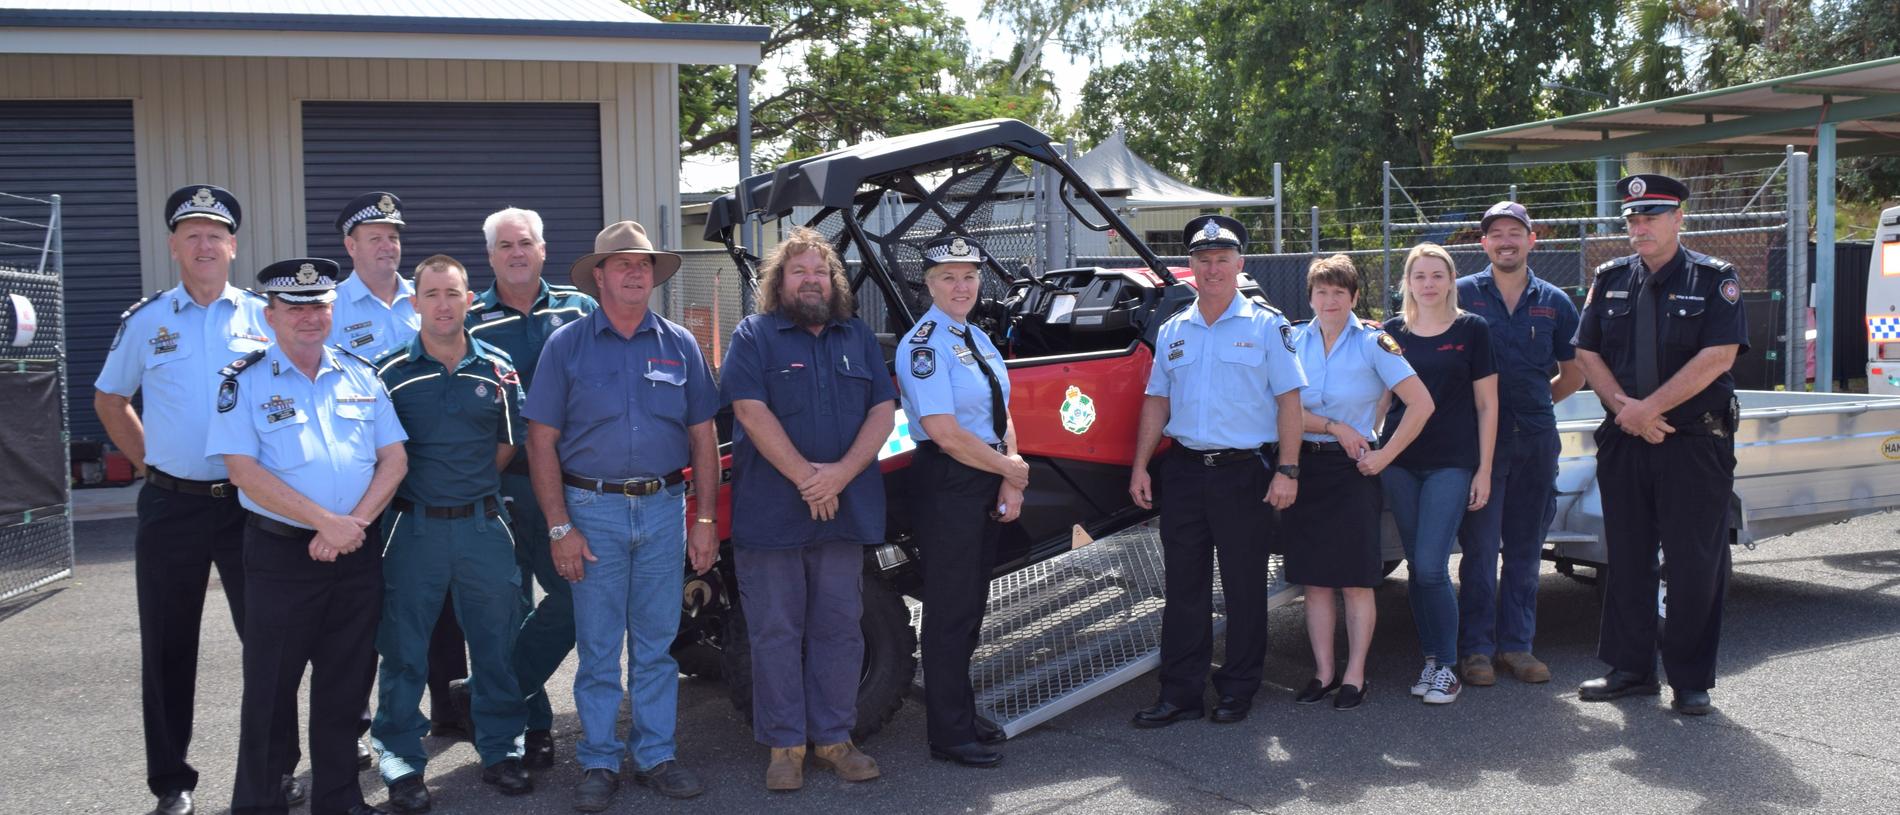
[596, 790]
[668, 778]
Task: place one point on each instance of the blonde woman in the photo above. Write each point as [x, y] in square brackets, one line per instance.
[1447, 470]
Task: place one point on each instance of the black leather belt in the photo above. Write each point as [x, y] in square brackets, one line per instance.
[489, 506]
[1701, 424]
[636, 486]
[277, 527]
[927, 444]
[1329, 446]
[215, 489]
[1219, 458]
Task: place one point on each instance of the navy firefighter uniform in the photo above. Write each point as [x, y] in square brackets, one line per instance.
[1647, 324]
[320, 436]
[447, 529]
[947, 367]
[547, 629]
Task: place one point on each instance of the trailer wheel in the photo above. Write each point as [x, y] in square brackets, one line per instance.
[890, 659]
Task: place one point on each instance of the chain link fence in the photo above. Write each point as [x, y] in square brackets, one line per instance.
[36, 534]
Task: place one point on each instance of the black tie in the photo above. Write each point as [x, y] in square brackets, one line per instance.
[1648, 375]
[999, 412]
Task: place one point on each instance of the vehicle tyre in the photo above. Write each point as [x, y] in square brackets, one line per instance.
[890, 659]
[700, 661]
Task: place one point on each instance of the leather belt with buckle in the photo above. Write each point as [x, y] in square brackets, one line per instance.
[279, 528]
[164, 481]
[1217, 458]
[634, 487]
[927, 444]
[489, 506]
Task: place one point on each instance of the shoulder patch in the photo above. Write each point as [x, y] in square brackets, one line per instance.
[923, 362]
[923, 332]
[1261, 302]
[1731, 290]
[1286, 338]
[1389, 344]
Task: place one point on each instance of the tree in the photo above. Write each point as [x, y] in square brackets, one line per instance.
[1080, 26]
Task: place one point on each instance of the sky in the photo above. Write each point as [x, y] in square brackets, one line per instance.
[988, 39]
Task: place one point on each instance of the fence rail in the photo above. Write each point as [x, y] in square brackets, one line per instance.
[36, 533]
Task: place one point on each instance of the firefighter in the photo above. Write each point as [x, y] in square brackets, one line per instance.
[1660, 330]
[1226, 388]
[969, 481]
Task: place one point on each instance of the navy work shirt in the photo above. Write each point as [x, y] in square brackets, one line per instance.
[622, 403]
[455, 416]
[1526, 343]
[1700, 305]
[521, 336]
[820, 387]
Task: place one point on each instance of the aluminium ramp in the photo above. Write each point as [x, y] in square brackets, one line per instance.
[1071, 628]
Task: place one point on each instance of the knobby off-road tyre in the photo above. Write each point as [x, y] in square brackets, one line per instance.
[890, 659]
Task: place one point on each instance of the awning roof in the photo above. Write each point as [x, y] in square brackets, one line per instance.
[1116, 172]
[1862, 100]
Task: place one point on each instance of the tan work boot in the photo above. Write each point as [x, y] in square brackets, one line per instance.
[787, 770]
[1475, 670]
[846, 760]
[1525, 667]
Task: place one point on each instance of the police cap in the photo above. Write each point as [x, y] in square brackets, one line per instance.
[370, 208]
[1214, 232]
[953, 249]
[300, 280]
[203, 201]
[1651, 193]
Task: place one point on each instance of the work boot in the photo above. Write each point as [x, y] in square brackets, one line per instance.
[787, 770]
[1524, 667]
[845, 759]
[1476, 670]
[595, 790]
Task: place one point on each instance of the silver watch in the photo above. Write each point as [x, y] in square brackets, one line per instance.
[558, 532]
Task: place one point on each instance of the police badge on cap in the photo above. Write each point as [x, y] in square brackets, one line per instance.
[300, 280]
[203, 201]
[1214, 232]
[370, 208]
[953, 249]
[1651, 193]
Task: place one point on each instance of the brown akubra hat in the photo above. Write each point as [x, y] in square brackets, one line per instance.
[623, 238]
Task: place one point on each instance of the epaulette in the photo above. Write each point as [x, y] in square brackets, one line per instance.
[240, 364]
[1613, 263]
[1302, 322]
[923, 332]
[1261, 302]
[565, 289]
[1709, 262]
[133, 309]
[353, 355]
[257, 294]
[493, 352]
[389, 357]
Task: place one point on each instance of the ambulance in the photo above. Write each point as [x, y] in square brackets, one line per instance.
[1883, 307]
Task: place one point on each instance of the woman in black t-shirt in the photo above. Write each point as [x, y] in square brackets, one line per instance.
[1447, 469]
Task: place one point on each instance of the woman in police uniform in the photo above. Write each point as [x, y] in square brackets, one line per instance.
[968, 481]
[1331, 538]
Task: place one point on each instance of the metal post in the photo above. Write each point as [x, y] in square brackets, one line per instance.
[748, 228]
[1314, 229]
[1824, 259]
[1606, 191]
[1385, 232]
[1068, 225]
[1513, 195]
[1798, 292]
[667, 308]
[1276, 208]
[1583, 256]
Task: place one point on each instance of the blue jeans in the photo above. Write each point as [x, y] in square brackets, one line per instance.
[1498, 605]
[1427, 505]
[630, 594]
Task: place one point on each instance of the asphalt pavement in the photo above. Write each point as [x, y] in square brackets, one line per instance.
[1808, 697]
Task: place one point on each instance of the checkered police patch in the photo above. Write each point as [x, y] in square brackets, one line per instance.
[923, 363]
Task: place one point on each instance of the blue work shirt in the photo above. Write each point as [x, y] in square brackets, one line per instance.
[319, 436]
[1527, 343]
[622, 403]
[172, 348]
[1345, 384]
[365, 325]
[820, 388]
[455, 417]
[938, 376]
[1221, 379]
[519, 335]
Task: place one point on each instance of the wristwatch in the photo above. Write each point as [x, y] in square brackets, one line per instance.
[558, 532]
[1289, 470]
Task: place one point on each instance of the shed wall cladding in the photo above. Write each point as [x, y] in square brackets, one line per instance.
[452, 164]
[83, 152]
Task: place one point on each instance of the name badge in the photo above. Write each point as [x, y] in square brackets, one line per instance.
[1685, 297]
[354, 398]
[1243, 344]
[493, 315]
[361, 341]
[1616, 295]
[359, 326]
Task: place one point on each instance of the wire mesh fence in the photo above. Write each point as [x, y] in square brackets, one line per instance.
[36, 539]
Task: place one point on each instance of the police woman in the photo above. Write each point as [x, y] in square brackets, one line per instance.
[1332, 531]
[968, 481]
[1447, 470]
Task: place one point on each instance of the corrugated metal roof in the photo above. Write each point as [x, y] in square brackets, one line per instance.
[593, 11]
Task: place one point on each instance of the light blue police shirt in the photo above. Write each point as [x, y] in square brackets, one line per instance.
[1221, 379]
[319, 436]
[937, 375]
[172, 348]
[365, 326]
[1345, 385]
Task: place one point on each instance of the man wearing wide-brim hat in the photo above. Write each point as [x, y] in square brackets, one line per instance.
[622, 403]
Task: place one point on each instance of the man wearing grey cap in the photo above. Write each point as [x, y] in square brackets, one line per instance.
[315, 448]
[1531, 324]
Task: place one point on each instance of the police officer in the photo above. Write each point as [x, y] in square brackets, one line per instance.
[171, 345]
[461, 402]
[968, 479]
[1225, 386]
[1660, 330]
[375, 307]
[515, 316]
[622, 402]
[315, 449]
